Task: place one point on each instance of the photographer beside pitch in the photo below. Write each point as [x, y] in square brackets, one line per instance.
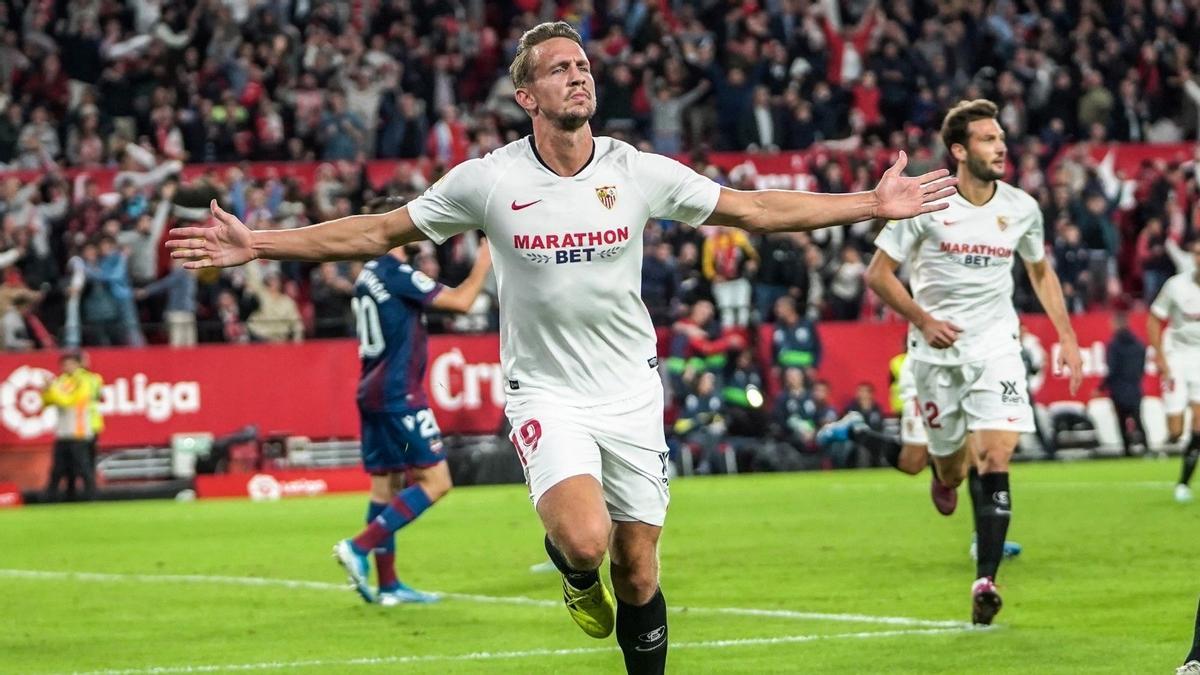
[564, 212]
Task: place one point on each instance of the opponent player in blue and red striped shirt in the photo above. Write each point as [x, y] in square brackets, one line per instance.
[399, 433]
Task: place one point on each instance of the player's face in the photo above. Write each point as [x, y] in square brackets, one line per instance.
[563, 89]
[986, 151]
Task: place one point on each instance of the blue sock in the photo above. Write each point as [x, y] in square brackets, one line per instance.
[375, 508]
[404, 509]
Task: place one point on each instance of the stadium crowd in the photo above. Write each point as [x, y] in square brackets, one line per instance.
[144, 87]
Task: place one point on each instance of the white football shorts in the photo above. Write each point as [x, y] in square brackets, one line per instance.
[621, 444]
[1183, 387]
[955, 400]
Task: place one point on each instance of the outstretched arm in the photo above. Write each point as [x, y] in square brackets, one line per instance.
[1049, 292]
[896, 197]
[229, 242]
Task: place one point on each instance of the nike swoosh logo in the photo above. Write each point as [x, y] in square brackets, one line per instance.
[1013, 419]
[948, 223]
[518, 207]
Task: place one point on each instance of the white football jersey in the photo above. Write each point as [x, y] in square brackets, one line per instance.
[568, 258]
[1178, 303]
[960, 261]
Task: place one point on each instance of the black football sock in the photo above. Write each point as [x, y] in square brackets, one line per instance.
[642, 634]
[883, 445]
[1190, 456]
[993, 511]
[1194, 655]
[580, 579]
[975, 488]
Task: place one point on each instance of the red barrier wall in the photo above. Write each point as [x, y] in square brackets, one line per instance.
[308, 389]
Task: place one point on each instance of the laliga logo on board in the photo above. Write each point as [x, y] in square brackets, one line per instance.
[21, 410]
[22, 413]
[264, 487]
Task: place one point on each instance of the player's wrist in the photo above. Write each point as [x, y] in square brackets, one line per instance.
[256, 245]
[873, 203]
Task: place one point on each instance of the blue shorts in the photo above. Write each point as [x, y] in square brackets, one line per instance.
[395, 441]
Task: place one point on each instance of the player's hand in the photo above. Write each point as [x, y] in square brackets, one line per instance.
[226, 244]
[940, 334]
[1164, 370]
[901, 196]
[1070, 361]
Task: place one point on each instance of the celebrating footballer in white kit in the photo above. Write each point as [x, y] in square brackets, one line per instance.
[1178, 358]
[964, 338]
[564, 212]
[577, 345]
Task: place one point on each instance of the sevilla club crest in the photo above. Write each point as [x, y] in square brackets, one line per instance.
[607, 195]
[1002, 223]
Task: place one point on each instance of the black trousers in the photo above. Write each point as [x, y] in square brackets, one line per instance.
[1129, 416]
[72, 461]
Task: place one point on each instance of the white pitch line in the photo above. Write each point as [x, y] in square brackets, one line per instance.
[468, 597]
[491, 656]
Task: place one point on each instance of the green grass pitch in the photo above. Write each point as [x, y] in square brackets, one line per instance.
[784, 573]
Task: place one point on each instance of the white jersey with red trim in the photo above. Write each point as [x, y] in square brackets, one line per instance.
[961, 262]
[1179, 304]
[568, 258]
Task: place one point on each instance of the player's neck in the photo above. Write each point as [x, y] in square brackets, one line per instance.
[974, 190]
[563, 152]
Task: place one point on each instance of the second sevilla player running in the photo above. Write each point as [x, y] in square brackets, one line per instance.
[964, 338]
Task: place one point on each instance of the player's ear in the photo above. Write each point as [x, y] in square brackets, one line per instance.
[959, 152]
[525, 100]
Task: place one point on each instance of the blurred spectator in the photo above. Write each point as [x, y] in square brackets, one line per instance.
[847, 285]
[143, 242]
[14, 333]
[781, 271]
[111, 270]
[822, 412]
[1126, 367]
[180, 313]
[701, 425]
[331, 293]
[1152, 258]
[698, 345]
[277, 318]
[659, 282]
[728, 255]
[667, 112]
[1071, 260]
[342, 132]
[794, 420]
[230, 315]
[795, 342]
[743, 393]
[864, 403]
